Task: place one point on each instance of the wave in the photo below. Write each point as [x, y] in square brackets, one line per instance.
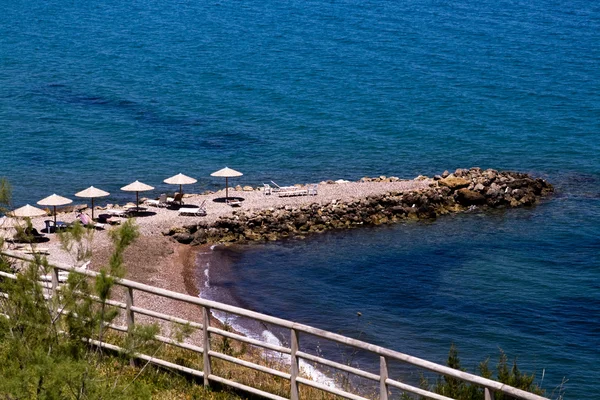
[250, 328]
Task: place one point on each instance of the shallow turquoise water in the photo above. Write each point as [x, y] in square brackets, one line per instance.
[105, 93]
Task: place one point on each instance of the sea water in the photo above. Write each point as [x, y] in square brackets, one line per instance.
[104, 93]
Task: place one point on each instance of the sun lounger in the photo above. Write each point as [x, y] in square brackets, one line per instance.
[177, 200]
[87, 221]
[161, 202]
[27, 249]
[192, 211]
[288, 192]
[117, 213]
[280, 188]
[233, 203]
[199, 211]
[267, 189]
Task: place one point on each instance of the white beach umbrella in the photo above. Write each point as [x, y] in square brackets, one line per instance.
[27, 211]
[227, 173]
[91, 193]
[54, 200]
[137, 187]
[180, 179]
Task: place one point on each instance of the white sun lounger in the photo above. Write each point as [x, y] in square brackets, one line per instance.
[161, 202]
[117, 213]
[195, 211]
[199, 211]
[292, 192]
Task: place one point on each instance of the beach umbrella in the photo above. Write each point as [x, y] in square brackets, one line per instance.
[54, 200]
[226, 173]
[180, 179]
[137, 187]
[27, 211]
[91, 193]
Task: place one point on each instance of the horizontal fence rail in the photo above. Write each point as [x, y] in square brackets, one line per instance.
[294, 352]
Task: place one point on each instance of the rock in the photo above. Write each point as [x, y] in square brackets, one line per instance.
[238, 188]
[461, 172]
[468, 197]
[445, 174]
[248, 189]
[479, 187]
[184, 238]
[454, 183]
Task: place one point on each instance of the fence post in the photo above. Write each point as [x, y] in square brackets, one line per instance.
[130, 316]
[383, 376]
[206, 345]
[54, 302]
[489, 395]
[295, 367]
[54, 283]
[130, 313]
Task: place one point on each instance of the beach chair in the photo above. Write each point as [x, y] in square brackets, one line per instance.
[49, 226]
[199, 211]
[161, 202]
[267, 189]
[192, 211]
[312, 189]
[177, 200]
[114, 212]
[233, 202]
[292, 191]
[87, 221]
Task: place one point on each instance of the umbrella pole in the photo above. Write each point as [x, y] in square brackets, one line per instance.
[92, 208]
[54, 218]
[226, 189]
[180, 189]
[137, 199]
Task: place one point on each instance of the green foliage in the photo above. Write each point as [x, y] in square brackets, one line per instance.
[77, 241]
[460, 390]
[43, 344]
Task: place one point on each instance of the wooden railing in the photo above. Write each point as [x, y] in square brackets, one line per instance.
[294, 351]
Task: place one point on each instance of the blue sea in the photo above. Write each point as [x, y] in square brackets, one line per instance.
[104, 93]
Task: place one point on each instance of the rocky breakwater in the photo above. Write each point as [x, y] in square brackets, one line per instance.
[465, 189]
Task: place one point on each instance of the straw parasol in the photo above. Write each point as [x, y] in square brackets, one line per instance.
[137, 187]
[54, 200]
[27, 211]
[92, 192]
[180, 179]
[227, 173]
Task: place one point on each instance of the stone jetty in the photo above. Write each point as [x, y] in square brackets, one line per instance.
[463, 190]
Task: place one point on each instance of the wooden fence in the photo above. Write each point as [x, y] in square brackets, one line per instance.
[293, 374]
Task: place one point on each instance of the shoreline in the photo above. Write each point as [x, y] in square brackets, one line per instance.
[261, 218]
[163, 257]
[157, 259]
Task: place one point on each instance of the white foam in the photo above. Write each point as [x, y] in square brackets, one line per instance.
[268, 337]
[207, 276]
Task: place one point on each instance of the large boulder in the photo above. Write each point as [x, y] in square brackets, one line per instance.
[454, 183]
[468, 197]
